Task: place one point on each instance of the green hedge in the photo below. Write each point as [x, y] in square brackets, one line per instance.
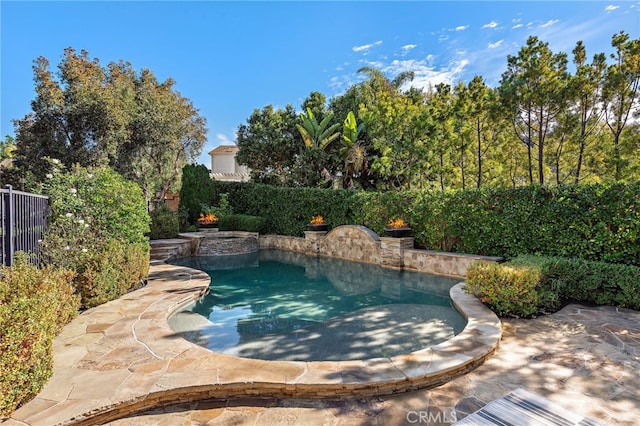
[197, 190]
[34, 305]
[593, 222]
[528, 285]
[164, 223]
[242, 222]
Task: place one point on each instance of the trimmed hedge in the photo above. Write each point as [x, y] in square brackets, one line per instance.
[34, 305]
[242, 222]
[593, 222]
[528, 285]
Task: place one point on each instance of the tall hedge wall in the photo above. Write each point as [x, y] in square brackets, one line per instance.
[594, 222]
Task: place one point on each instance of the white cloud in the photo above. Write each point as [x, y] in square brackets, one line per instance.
[495, 45]
[492, 25]
[611, 8]
[517, 26]
[426, 74]
[549, 23]
[366, 47]
[407, 48]
[461, 27]
[223, 139]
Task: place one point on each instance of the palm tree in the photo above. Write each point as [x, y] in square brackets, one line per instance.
[378, 81]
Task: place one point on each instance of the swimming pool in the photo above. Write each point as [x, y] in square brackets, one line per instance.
[280, 305]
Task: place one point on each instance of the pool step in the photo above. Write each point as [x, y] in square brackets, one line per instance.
[163, 253]
[163, 250]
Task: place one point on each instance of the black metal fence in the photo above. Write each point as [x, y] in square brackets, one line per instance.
[24, 221]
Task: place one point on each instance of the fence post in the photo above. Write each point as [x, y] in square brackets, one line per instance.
[9, 240]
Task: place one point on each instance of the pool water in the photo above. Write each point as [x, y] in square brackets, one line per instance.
[278, 305]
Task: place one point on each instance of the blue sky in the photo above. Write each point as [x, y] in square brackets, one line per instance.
[230, 58]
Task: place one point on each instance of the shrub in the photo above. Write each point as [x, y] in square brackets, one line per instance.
[164, 223]
[506, 289]
[110, 272]
[34, 305]
[97, 228]
[197, 189]
[529, 284]
[242, 222]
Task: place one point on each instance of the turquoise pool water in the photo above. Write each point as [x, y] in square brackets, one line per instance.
[279, 305]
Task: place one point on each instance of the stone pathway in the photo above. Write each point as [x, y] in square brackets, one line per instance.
[586, 359]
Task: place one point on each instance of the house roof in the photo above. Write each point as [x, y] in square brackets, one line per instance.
[224, 150]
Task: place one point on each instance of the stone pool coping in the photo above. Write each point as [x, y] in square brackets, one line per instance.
[121, 358]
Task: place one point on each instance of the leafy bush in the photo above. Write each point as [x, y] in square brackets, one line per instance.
[529, 284]
[110, 272]
[242, 222]
[34, 305]
[97, 228]
[198, 189]
[506, 289]
[221, 210]
[164, 223]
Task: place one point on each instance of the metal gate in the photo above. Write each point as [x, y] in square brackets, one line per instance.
[24, 222]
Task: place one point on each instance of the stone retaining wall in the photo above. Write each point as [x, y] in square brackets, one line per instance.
[360, 244]
[349, 242]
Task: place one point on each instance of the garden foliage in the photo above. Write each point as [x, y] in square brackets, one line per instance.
[593, 222]
[197, 189]
[528, 285]
[97, 228]
[242, 222]
[34, 305]
[164, 223]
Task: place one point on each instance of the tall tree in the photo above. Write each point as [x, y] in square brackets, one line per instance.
[620, 92]
[533, 87]
[166, 134]
[95, 116]
[584, 95]
[480, 99]
[269, 144]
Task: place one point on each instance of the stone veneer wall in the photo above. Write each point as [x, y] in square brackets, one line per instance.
[360, 244]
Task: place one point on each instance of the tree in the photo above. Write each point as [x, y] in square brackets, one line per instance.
[620, 93]
[583, 92]
[480, 98]
[533, 87]
[95, 116]
[400, 131]
[269, 143]
[166, 133]
[317, 103]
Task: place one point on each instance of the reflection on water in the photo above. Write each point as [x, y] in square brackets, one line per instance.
[284, 305]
